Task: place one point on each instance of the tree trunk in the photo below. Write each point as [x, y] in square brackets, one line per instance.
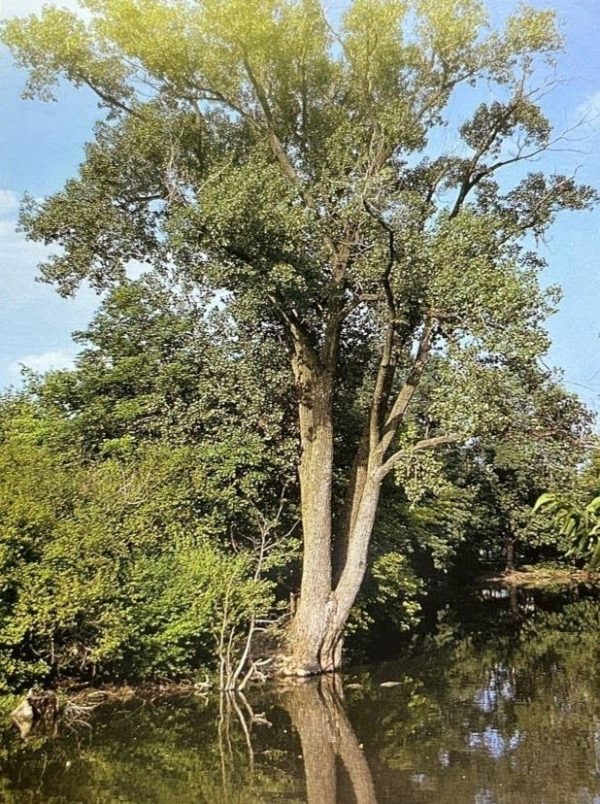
[510, 552]
[315, 609]
[353, 574]
[315, 636]
[317, 632]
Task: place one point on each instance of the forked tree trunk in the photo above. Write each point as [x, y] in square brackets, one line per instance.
[330, 585]
[315, 638]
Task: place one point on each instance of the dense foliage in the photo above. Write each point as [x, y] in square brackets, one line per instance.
[136, 491]
[580, 526]
[129, 499]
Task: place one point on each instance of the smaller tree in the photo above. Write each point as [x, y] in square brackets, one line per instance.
[531, 435]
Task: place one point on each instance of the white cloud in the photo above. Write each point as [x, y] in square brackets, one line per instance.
[46, 361]
[35, 322]
[588, 112]
[19, 258]
[8, 230]
[9, 203]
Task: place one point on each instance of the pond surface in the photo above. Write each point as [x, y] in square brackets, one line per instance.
[498, 702]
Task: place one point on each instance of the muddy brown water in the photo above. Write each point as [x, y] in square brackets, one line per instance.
[498, 702]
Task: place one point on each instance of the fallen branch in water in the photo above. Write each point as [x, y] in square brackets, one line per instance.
[36, 705]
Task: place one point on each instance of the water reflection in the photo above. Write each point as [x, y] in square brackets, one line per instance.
[499, 686]
[489, 709]
[318, 714]
[494, 742]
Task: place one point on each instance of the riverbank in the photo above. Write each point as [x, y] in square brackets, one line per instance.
[538, 577]
[532, 577]
[75, 693]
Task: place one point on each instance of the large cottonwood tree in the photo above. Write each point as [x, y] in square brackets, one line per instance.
[312, 171]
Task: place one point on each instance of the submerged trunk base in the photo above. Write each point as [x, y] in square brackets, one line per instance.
[294, 670]
[315, 651]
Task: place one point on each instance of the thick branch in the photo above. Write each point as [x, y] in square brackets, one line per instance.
[366, 472]
[470, 179]
[372, 432]
[420, 446]
[473, 176]
[386, 363]
[110, 100]
[276, 145]
[337, 309]
[299, 334]
[353, 496]
[407, 391]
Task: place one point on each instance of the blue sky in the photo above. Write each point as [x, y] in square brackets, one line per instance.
[41, 145]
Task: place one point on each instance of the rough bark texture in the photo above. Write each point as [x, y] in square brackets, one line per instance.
[315, 606]
[316, 637]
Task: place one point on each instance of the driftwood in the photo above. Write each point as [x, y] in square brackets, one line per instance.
[36, 705]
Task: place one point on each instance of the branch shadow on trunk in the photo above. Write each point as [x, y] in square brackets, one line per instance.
[317, 711]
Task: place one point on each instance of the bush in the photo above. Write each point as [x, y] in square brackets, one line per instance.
[111, 568]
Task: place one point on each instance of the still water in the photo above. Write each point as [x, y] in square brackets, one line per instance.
[498, 702]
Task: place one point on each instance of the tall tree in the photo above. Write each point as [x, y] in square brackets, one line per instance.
[293, 164]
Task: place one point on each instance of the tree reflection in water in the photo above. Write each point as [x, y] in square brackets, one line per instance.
[317, 712]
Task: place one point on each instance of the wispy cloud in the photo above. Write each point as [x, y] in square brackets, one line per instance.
[588, 112]
[52, 360]
[9, 203]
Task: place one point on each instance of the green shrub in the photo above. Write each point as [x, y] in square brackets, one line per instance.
[111, 568]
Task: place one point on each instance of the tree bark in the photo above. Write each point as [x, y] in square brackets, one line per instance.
[315, 606]
[356, 556]
[509, 543]
[316, 641]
